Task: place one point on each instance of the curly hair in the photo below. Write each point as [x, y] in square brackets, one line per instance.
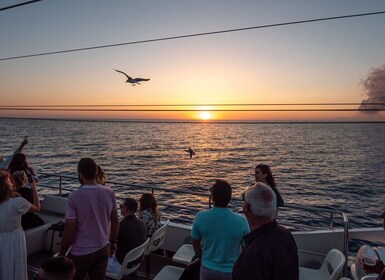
[148, 202]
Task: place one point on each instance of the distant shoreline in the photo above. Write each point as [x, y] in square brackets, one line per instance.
[194, 121]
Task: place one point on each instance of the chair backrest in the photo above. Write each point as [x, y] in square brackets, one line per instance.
[157, 238]
[333, 263]
[380, 253]
[137, 254]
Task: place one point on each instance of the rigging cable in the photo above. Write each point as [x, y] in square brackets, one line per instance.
[194, 110]
[193, 35]
[197, 105]
[18, 5]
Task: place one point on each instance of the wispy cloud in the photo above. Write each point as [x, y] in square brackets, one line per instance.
[374, 89]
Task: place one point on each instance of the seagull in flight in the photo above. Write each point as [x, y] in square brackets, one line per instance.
[133, 81]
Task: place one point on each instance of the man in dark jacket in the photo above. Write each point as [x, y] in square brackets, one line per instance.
[132, 233]
[270, 251]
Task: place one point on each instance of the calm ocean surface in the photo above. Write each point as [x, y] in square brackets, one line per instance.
[337, 166]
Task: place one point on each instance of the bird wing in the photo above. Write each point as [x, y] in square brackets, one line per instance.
[141, 80]
[128, 77]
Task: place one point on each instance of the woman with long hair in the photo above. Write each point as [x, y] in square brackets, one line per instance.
[18, 163]
[149, 213]
[264, 175]
[13, 253]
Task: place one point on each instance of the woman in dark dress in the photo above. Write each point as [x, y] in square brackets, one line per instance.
[28, 220]
[264, 175]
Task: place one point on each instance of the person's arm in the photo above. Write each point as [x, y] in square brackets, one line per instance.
[35, 207]
[25, 142]
[114, 229]
[197, 248]
[68, 236]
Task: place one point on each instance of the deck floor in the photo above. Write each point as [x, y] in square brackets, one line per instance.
[158, 261]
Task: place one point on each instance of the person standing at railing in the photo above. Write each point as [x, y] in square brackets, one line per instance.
[4, 163]
[217, 235]
[92, 224]
[264, 175]
[13, 252]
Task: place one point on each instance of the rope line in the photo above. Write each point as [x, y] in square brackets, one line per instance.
[18, 5]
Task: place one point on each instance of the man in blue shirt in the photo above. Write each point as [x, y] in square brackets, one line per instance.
[220, 232]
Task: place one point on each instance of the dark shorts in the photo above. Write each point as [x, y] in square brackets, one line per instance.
[94, 264]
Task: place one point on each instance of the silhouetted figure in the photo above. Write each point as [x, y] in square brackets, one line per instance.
[191, 152]
[133, 81]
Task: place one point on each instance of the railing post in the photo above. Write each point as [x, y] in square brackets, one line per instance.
[60, 190]
[331, 221]
[346, 245]
[209, 201]
[152, 191]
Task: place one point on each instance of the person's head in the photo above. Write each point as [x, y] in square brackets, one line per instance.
[56, 268]
[6, 187]
[260, 201]
[263, 174]
[148, 202]
[87, 169]
[221, 193]
[20, 179]
[18, 162]
[129, 206]
[101, 176]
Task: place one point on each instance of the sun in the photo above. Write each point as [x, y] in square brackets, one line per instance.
[204, 115]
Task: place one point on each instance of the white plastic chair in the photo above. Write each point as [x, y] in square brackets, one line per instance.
[133, 255]
[184, 254]
[169, 272]
[330, 269]
[156, 241]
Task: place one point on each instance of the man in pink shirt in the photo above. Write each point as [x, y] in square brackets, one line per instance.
[91, 224]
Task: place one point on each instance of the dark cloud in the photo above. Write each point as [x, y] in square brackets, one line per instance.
[374, 89]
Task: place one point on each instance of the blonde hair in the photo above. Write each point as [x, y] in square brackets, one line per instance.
[19, 177]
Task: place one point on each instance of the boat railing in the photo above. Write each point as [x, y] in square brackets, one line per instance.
[333, 214]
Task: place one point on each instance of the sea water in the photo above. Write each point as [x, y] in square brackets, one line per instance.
[339, 166]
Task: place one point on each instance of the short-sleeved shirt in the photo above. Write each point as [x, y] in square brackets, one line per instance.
[270, 253]
[91, 206]
[10, 212]
[221, 232]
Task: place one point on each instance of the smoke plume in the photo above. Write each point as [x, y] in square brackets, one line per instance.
[374, 89]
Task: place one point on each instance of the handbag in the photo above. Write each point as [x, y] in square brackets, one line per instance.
[192, 271]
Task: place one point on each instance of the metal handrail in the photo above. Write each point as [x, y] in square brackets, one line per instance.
[155, 188]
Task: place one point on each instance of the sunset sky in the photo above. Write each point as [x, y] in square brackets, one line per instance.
[320, 62]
